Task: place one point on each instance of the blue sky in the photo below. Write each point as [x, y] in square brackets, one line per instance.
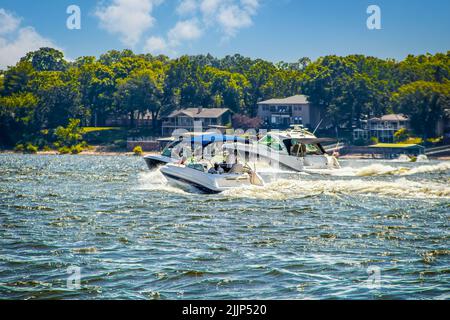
[270, 29]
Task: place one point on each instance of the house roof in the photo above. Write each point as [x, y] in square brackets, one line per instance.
[298, 99]
[392, 117]
[200, 112]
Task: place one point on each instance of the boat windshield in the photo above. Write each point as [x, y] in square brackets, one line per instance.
[271, 142]
[196, 166]
[313, 149]
[167, 152]
[296, 148]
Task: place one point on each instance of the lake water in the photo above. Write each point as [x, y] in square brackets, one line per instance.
[372, 230]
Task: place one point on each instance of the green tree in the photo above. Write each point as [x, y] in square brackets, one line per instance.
[46, 59]
[401, 135]
[142, 91]
[69, 136]
[59, 98]
[424, 102]
[97, 85]
[43, 91]
[16, 117]
[17, 78]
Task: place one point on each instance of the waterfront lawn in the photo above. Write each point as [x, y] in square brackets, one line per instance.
[106, 136]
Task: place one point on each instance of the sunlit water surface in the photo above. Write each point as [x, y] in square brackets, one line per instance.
[300, 237]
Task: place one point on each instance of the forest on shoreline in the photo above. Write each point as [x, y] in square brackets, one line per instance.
[43, 93]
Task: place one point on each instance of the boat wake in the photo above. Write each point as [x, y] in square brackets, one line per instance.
[387, 170]
[291, 189]
[291, 185]
[155, 181]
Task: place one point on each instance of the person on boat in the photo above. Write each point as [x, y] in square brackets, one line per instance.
[299, 150]
[177, 151]
[232, 158]
[216, 169]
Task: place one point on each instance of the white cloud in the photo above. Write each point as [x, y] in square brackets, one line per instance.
[186, 7]
[209, 7]
[250, 5]
[187, 30]
[225, 16]
[127, 18]
[16, 42]
[8, 22]
[156, 45]
[229, 15]
[233, 18]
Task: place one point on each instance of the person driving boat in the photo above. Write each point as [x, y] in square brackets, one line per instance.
[216, 169]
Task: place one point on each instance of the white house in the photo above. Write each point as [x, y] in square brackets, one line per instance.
[382, 128]
[186, 119]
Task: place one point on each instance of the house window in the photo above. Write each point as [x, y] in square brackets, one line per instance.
[297, 120]
[184, 121]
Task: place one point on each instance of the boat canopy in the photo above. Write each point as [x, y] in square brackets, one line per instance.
[206, 139]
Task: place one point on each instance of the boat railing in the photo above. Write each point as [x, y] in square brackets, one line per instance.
[143, 139]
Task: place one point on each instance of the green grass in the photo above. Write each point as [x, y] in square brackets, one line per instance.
[115, 137]
[105, 135]
[96, 129]
[394, 145]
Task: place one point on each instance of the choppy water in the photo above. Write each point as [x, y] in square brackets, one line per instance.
[300, 237]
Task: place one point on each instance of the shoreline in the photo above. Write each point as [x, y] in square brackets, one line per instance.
[364, 157]
[97, 152]
[92, 151]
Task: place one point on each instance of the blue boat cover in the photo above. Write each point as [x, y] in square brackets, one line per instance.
[209, 138]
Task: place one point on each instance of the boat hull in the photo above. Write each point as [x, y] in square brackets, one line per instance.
[205, 182]
[153, 162]
[273, 158]
[187, 184]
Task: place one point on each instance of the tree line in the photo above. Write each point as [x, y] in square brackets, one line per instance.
[43, 91]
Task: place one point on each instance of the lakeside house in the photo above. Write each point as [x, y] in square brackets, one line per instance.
[140, 120]
[282, 113]
[187, 118]
[382, 128]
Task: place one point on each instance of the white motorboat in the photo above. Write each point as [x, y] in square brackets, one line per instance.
[173, 152]
[296, 149]
[196, 175]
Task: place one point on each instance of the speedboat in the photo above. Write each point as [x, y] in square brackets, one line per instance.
[173, 152]
[295, 149]
[196, 175]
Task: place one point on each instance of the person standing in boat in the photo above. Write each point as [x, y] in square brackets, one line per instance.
[230, 160]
